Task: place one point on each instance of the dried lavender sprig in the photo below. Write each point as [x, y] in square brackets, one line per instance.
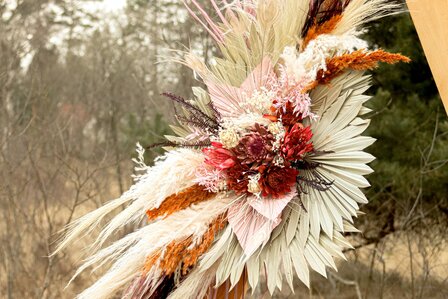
[197, 123]
[180, 144]
[189, 106]
[215, 111]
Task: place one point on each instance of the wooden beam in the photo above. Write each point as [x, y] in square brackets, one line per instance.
[431, 21]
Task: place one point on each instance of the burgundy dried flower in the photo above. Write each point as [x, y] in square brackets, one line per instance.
[255, 148]
[237, 178]
[276, 181]
[297, 143]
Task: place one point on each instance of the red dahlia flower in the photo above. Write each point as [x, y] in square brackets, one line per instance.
[219, 157]
[276, 181]
[237, 178]
[297, 142]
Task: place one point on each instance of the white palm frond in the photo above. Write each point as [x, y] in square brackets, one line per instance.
[278, 25]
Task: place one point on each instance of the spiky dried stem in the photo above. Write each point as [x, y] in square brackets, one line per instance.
[198, 144]
[190, 107]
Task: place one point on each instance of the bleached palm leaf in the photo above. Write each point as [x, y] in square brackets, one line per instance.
[312, 237]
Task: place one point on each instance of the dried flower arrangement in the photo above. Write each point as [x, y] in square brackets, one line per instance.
[266, 168]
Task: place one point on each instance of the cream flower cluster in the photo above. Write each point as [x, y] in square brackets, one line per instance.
[259, 101]
[229, 138]
[278, 131]
[306, 64]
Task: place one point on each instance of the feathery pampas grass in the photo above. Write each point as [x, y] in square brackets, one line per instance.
[360, 12]
[173, 172]
[134, 249]
[195, 285]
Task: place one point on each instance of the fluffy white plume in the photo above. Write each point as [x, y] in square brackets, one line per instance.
[133, 249]
[305, 65]
[360, 12]
[195, 285]
[172, 173]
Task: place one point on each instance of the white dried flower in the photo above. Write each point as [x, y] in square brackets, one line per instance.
[260, 101]
[276, 128]
[279, 161]
[229, 137]
[253, 186]
[244, 121]
[278, 131]
[222, 185]
[313, 58]
[276, 145]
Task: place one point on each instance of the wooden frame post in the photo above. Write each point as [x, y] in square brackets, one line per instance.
[431, 21]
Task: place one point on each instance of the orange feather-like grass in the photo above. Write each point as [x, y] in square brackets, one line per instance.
[184, 252]
[360, 60]
[180, 201]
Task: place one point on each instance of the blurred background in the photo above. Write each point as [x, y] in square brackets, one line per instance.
[80, 84]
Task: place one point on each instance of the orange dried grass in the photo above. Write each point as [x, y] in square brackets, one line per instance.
[182, 252]
[359, 60]
[180, 201]
[324, 28]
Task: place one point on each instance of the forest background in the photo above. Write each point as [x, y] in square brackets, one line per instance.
[80, 84]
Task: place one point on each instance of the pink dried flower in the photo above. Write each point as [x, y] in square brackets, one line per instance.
[212, 179]
[219, 157]
[291, 93]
